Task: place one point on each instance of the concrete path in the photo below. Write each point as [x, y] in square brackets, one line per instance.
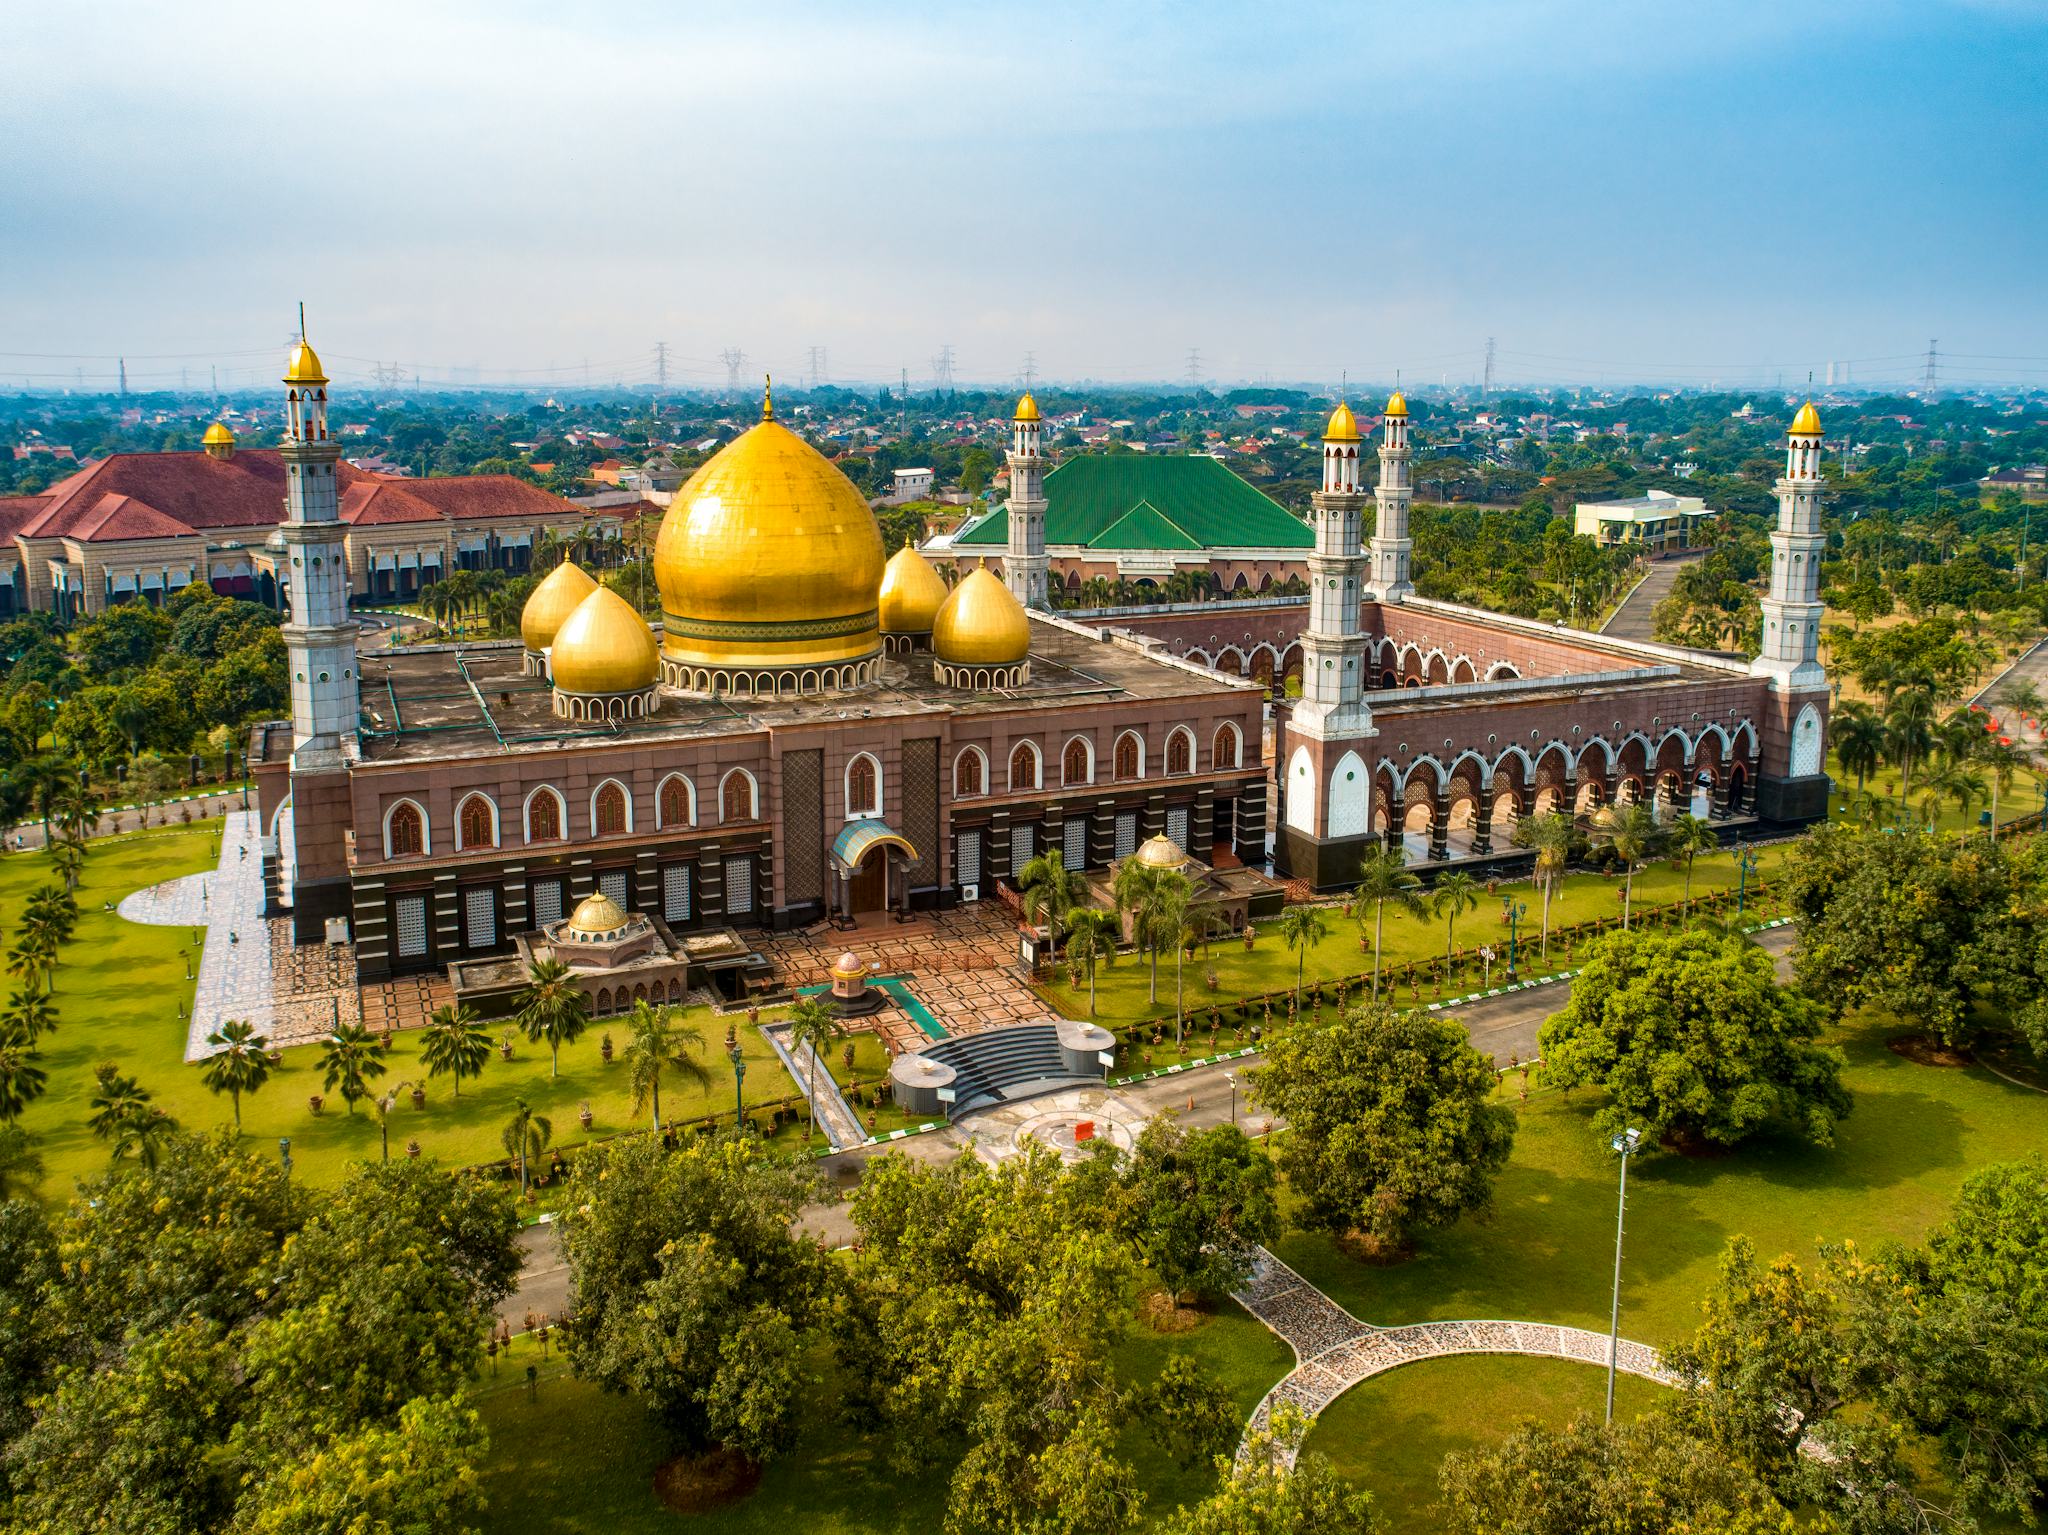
[1632, 620]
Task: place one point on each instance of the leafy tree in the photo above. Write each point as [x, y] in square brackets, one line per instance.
[526, 1135]
[1391, 1123]
[814, 1027]
[22, 1081]
[1154, 900]
[1685, 839]
[1258, 1493]
[1456, 893]
[1693, 1040]
[455, 1043]
[1551, 836]
[658, 1043]
[21, 1167]
[1198, 1204]
[1859, 738]
[1382, 878]
[417, 1475]
[1303, 927]
[28, 1346]
[1189, 1413]
[553, 1007]
[239, 1064]
[349, 1060]
[124, 1114]
[1050, 890]
[1091, 940]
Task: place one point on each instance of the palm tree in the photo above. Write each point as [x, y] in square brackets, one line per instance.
[813, 1026]
[239, 1065]
[526, 1135]
[1685, 839]
[1050, 891]
[122, 1112]
[1909, 733]
[1455, 894]
[553, 1007]
[660, 1043]
[2024, 698]
[1303, 927]
[1952, 780]
[1551, 836]
[382, 1105]
[1632, 831]
[2002, 761]
[1193, 924]
[1091, 939]
[1859, 736]
[1139, 893]
[28, 1016]
[22, 1081]
[1383, 877]
[68, 858]
[456, 1043]
[21, 1169]
[349, 1058]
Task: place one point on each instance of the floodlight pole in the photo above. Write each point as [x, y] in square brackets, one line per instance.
[1624, 1143]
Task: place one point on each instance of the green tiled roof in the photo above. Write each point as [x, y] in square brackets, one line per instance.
[1177, 501]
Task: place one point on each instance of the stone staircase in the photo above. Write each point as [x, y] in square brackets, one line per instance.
[1005, 1065]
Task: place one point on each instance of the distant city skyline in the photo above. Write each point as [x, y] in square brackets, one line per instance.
[512, 194]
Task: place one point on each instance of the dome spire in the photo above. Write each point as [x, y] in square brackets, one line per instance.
[767, 398]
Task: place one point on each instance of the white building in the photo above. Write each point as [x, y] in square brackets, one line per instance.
[911, 485]
[1658, 522]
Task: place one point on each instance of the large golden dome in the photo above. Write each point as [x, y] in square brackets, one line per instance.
[981, 624]
[604, 647]
[911, 593]
[768, 557]
[559, 594]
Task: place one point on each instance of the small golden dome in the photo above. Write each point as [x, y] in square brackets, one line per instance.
[911, 593]
[1343, 425]
[217, 434]
[304, 368]
[1162, 852]
[604, 647]
[981, 624]
[1396, 406]
[1807, 422]
[559, 594]
[1027, 410]
[596, 913]
[848, 965]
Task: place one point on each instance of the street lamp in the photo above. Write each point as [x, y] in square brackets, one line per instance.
[1624, 1144]
[1746, 860]
[739, 1076]
[284, 1153]
[1231, 1078]
[1514, 911]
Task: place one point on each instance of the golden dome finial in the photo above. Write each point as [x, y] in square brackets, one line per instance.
[1027, 409]
[1343, 426]
[1807, 422]
[767, 398]
[304, 367]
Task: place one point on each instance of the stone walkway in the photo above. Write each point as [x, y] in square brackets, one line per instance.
[1336, 1351]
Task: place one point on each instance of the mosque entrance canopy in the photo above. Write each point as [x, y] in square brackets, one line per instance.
[857, 839]
[861, 856]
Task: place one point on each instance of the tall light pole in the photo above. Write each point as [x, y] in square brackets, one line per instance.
[1624, 1143]
[1231, 1078]
[1746, 860]
[739, 1077]
[1514, 911]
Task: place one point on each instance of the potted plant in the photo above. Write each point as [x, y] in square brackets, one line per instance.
[583, 1115]
[412, 1149]
[275, 1056]
[505, 1046]
[419, 1097]
[314, 1100]
[604, 1048]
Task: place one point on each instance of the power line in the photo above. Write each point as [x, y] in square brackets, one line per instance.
[1029, 372]
[818, 370]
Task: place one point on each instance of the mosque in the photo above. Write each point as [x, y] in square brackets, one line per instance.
[813, 734]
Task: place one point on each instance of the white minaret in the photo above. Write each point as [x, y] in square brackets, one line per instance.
[1025, 566]
[1792, 609]
[1390, 546]
[319, 636]
[1333, 649]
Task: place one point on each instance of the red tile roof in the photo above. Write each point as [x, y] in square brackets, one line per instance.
[17, 512]
[113, 518]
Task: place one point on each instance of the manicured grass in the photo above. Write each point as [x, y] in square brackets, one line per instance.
[2023, 797]
[1389, 1434]
[574, 1461]
[118, 989]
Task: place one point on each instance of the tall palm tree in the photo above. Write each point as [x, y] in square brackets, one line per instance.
[1551, 836]
[813, 1026]
[1685, 838]
[1050, 890]
[1149, 896]
[349, 1060]
[526, 1135]
[123, 1113]
[382, 1105]
[22, 1081]
[1952, 780]
[455, 1042]
[1303, 927]
[659, 1042]
[1909, 733]
[2002, 761]
[1193, 924]
[239, 1064]
[1859, 736]
[1091, 940]
[1383, 877]
[1455, 894]
[21, 1168]
[1632, 831]
[29, 1015]
[553, 1007]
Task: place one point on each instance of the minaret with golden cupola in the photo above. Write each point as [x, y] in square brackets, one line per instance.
[1333, 648]
[1390, 544]
[319, 636]
[1790, 656]
[1025, 566]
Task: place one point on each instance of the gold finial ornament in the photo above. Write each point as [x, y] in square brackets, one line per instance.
[1343, 425]
[1807, 422]
[767, 398]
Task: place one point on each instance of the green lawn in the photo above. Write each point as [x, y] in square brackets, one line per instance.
[118, 990]
[571, 1460]
[1390, 1433]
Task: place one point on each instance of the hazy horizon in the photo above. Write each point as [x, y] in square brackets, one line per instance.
[1624, 194]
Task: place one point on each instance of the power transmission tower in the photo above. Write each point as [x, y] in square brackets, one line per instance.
[734, 360]
[1928, 382]
[124, 376]
[1486, 385]
[1194, 369]
[942, 371]
[903, 404]
[661, 366]
[817, 356]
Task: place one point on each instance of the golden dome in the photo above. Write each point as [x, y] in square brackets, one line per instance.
[1396, 406]
[1807, 422]
[768, 556]
[304, 368]
[604, 647]
[911, 593]
[1343, 425]
[557, 596]
[1162, 853]
[1027, 410]
[218, 435]
[596, 913]
[981, 624]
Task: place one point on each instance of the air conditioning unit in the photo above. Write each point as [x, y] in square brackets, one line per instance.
[970, 893]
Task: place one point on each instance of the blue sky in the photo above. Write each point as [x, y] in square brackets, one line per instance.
[1697, 192]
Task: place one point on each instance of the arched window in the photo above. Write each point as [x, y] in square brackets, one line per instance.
[675, 802]
[1130, 755]
[1223, 751]
[1077, 762]
[736, 796]
[969, 775]
[1023, 767]
[1180, 752]
[863, 787]
[544, 816]
[608, 813]
[405, 831]
[476, 823]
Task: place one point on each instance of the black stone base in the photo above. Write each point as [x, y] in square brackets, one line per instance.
[1332, 865]
[313, 904]
[1792, 801]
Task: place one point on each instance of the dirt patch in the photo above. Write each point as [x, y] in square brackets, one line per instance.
[1924, 1050]
[1164, 1314]
[703, 1484]
[1360, 1248]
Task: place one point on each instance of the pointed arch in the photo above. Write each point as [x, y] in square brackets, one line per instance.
[863, 784]
[546, 815]
[1350, 797]
[675, 803]
[1077, 762]
[1024, 766]
[739, 797]
[476, 822]
[1128, 761]
[1180, 751]
[1807, 738]
[1301, 792]
[1226, 750]
[611, 809]
[970, 773]
[407, 831]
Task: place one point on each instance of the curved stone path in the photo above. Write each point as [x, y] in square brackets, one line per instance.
[1335, 1351]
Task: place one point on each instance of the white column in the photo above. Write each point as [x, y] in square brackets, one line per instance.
[1025, 566]
[1390, 581]
[1333, 646]
[1790, 650]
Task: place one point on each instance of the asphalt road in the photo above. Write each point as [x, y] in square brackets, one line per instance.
[1632, 620]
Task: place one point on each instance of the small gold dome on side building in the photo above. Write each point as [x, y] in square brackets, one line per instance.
[1343, 425]
[1027, 410]
[911, 593]
[1396, 406]
[218, 442]
[559, 594]
[981, 624]
[604, 647]
[1162, 852]
[1807, 422]
[597, 913]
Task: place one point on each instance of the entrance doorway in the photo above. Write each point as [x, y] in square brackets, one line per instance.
[868, 889]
